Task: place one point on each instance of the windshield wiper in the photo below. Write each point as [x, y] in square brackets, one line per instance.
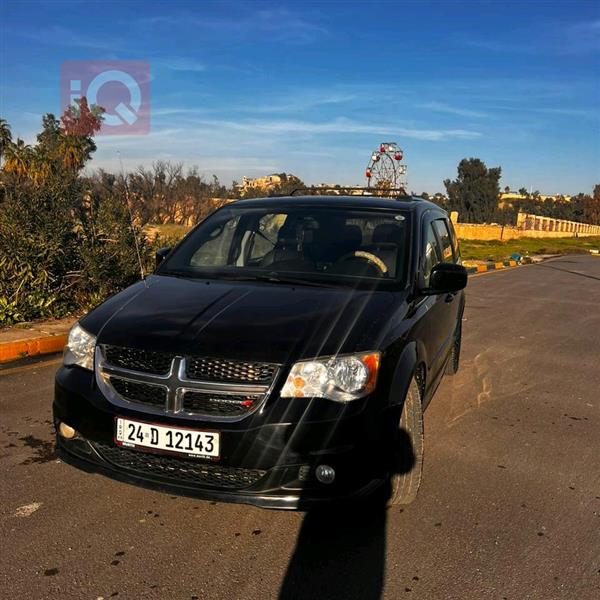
[275, 277]
[270, 277]
[176, 273]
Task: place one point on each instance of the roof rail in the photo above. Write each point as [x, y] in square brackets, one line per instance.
[351, 191]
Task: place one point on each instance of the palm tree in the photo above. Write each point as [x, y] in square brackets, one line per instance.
[5, 137]
[18, 157]
[72, 151]
[40, 169]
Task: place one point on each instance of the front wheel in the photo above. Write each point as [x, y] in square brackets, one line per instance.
[407, 449]
[454, 360]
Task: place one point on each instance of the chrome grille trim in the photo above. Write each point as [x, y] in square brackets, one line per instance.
[176, 384]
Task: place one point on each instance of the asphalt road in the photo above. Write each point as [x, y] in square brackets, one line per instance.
[509, 506]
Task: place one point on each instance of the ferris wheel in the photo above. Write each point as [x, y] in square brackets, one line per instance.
[385, 169]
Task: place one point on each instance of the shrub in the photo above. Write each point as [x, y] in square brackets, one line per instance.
[62, 250]
[108, 253]
[38, 253]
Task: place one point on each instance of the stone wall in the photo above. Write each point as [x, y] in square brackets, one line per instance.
[527, 226]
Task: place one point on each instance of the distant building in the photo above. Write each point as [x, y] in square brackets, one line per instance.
[260, 183]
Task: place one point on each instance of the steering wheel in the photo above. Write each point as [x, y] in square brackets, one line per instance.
[369, 257]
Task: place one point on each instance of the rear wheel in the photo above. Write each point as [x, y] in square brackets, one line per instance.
[407, 449]
[454, 360]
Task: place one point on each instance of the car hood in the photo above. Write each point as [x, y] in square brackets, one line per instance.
[269, 322]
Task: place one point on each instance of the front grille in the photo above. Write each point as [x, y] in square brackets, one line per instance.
[224, 405]
[162, 381]
[142, 393]
[139, 360]
[180, 469]
[215, 369]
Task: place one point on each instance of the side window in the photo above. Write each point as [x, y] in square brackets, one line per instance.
[431, 253]
[444, 235]
[455, 245]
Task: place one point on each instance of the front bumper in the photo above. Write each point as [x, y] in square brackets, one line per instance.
[267, 459]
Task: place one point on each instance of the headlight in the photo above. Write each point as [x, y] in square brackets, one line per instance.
[340, 378]
[80, 348]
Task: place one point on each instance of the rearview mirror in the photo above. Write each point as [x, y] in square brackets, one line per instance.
[160, 255]
[446, 278]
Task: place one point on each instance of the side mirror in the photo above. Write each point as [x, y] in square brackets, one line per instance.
[446, 278]
[160, 255]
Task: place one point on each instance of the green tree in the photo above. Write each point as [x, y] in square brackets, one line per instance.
[474, 193]
[592, 210]
[62, 247]
[79, 123]
[586, 208]
[19, 158]
[38, 251]
[5, 137]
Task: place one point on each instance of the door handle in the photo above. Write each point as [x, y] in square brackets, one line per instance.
[449, 297]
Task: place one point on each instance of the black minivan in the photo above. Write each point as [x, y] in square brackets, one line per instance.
[281, 355]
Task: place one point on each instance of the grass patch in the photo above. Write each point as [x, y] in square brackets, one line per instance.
[497, 251]
[167, 230]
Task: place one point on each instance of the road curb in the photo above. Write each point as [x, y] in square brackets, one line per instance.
[497, 266]
[48, 344]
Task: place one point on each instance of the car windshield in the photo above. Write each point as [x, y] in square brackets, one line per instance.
[305, 244]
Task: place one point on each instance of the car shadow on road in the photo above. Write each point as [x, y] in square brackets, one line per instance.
[340, 551]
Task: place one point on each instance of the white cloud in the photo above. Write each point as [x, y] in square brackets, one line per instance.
[57, 35]
[451, 110]
[275, 25]
[178, 63]
[336, 126]
[556, 37]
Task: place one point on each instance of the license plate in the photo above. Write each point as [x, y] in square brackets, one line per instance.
[162, 438]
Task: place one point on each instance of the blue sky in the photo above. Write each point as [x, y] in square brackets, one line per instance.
[250, 88]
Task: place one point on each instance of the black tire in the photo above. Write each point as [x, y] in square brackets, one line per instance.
[454, 360]
[407, 451]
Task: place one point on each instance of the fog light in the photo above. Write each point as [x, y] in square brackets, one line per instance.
[325, 473]
[66, 431]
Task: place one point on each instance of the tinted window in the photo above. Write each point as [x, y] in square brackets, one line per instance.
[214, 249]
[431, 253]
[316, 242]
[455, 245]
[445, 240]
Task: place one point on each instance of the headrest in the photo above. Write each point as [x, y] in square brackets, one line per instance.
[387, 232]
[352, 234]
[286, 235]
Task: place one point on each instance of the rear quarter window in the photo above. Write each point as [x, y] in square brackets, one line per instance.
[431, 253]
[455, 245]
[443, 233]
